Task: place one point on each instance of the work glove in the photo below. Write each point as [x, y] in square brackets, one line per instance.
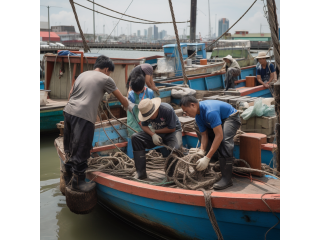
[157, 140]
[130, 106]
[198, 151]
[202, 163]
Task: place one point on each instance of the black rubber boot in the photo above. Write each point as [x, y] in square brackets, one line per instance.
[140, 163]
[79, 184]
[67, 177]
[226, 171]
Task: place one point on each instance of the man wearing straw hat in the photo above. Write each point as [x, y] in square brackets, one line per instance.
[165, 128]
[232, 69]
[265, 72]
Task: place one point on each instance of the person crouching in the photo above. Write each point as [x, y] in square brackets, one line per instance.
[218, 123]
[165, 128]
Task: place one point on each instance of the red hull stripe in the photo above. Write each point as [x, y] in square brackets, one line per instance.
[224, 200]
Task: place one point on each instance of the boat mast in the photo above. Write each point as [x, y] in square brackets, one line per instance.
[193, 19]
[209, 20]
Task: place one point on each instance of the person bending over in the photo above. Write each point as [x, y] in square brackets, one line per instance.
[138, 93]
[165, 128]
[80, 116]
[146, 70]
[218, 123]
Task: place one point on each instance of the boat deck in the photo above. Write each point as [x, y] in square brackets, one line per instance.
[54, 103]
[241, 185]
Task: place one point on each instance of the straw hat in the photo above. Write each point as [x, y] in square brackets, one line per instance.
[147, 107]
[262, 55]
[228, 57]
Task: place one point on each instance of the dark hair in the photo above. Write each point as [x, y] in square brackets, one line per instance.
[138, 83]
[187, 100]
[104, 62]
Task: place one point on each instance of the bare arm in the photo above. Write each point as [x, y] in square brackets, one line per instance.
[271, 77]
[150, 83]
[121, 98]
[218, 137]
[147, 130]
[260, 81]
[165, 130]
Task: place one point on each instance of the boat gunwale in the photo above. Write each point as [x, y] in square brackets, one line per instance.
[223, 200]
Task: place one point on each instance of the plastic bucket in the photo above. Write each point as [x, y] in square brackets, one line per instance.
[203, 61]
[43, 97]
[189, 62]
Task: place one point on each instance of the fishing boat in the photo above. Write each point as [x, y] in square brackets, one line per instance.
[61, 72]
[247, 210]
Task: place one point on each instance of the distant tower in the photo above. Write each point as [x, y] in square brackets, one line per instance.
[209, 20]
[223, 26]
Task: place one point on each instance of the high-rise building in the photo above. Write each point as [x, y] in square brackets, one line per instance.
[162, 34]
[138, 33]
[223, 26]
[145, 33]
[150, 33]
[155, 32]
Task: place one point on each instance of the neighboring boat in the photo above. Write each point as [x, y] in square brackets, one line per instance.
[204, 80]
[181, 214]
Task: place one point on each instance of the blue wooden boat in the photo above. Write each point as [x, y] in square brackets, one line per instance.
[181, 214]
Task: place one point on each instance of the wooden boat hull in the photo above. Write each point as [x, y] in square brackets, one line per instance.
[180, 213]
[50, 118]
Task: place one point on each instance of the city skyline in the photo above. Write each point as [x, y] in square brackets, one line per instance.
[229, 9]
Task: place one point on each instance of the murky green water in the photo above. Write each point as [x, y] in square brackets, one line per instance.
[56, 220]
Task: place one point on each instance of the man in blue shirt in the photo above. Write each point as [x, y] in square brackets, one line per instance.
[217, 123]
[265, 72]
[165, 128]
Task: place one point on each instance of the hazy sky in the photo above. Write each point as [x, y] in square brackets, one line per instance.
[158, 10]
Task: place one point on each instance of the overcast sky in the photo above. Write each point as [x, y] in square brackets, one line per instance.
[158, 10]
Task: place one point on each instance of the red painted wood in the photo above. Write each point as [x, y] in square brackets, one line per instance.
[126, 73]
[108, 147]
[225, 200]
[239, 81]
[48, 73]
[74, 73]
[246, 91]
[250, 81]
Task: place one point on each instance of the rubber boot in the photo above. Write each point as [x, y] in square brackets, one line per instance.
[79, 184]
[140, 163]
[226, 171]
[67, 177]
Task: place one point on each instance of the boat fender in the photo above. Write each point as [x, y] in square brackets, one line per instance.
[81, 202]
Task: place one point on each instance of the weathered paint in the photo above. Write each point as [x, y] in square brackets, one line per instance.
[50, 118]
[190, 221]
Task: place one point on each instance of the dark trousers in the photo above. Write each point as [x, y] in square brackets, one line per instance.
[231, 76]
[77, 142]
[230, 126]
[142, 140]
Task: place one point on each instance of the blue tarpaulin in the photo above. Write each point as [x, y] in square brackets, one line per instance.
[66, 53]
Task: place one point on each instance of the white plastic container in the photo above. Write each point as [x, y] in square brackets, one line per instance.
[189, 62]
[43, 97]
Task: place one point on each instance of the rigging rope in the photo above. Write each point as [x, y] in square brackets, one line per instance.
[85, 45]
[185, 79]
[129, 15]
[120, 18]
[216, 40]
